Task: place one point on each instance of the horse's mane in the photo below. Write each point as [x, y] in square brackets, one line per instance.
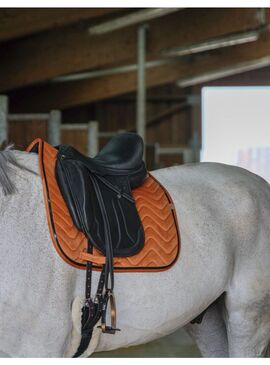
[8, 161]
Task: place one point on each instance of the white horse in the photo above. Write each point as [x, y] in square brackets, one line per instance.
[224, 267]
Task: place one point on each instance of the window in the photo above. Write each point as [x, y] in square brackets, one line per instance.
[236, 127]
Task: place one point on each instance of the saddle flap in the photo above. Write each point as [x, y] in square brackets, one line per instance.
[98, 208]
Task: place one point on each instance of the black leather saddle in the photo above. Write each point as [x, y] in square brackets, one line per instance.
[98, 192]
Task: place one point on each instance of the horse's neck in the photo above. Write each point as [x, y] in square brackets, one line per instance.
[36, 282]
[25, 223]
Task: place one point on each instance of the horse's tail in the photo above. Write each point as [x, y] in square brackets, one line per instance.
[7, 161]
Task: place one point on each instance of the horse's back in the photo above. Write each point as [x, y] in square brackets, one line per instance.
[227, 204]
[230, 188]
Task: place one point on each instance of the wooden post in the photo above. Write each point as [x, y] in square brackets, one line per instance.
[54, 128]
[195, 103]
[141, 86]
[3, 119]
[92, 139]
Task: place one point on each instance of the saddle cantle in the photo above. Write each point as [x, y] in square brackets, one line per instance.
[141, 221]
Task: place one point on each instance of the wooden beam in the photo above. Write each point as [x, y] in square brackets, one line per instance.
[232, 70]
[51, 54]
[153, 99]
[15, 23]
[75, 93]
[167, 113]
[67, 95]
[163, 115]
[136, 18]
[259, 77]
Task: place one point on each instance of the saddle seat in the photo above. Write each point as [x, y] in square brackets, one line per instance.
[122, 156]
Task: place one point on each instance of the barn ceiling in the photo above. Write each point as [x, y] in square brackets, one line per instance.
[38, 46]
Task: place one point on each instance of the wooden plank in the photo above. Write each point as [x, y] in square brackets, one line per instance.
[54, 53]
[16, 23]
[174, 130]
[267, 15]
[76, 138]
[197, 25]
[169, 112]
[170, 160]
[66, 95]
[21, 134]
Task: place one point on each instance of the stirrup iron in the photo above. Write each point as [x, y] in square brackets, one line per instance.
[109, 297]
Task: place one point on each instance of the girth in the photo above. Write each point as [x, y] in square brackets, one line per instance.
[81, 244]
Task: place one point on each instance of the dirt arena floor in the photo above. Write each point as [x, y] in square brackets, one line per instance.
[178, 344]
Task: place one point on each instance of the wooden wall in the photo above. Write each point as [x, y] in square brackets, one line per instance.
[22, 133]
[174, 130]
[169, 124]
[120, 113]
[76, 138]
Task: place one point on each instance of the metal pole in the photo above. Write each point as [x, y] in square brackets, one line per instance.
[3, 119]
[141, 91]
[54, 127]
[195, 103]
[74, 126]
[92, 139]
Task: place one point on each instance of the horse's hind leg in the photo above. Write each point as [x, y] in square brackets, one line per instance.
[248, 326]
[210, 335]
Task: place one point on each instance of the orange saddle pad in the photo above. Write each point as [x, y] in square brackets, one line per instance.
[155, 207]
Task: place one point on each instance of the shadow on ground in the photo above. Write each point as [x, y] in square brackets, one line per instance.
[178, 344]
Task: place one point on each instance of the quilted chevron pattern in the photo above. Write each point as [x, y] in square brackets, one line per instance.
[162, 241]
